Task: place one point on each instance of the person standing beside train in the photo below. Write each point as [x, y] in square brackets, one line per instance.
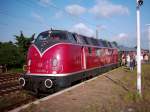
[131, 62]
[123, 60]
[128, 60]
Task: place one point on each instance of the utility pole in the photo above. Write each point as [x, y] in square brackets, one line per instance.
[148, 36]
[139, 3]
[96, 32]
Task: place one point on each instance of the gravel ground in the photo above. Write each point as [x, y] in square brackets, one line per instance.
[103, 94]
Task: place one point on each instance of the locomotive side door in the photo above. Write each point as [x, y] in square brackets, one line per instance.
[83, 58]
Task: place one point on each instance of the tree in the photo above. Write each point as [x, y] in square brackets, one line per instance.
[13, 55]
[115, 43]
[9, 54]
[23, 42]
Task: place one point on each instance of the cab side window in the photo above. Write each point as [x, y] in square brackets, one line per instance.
[71, 38]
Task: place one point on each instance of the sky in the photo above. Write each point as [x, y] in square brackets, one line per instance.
[115, 20]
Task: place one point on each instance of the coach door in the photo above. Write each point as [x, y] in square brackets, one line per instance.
[83, 58]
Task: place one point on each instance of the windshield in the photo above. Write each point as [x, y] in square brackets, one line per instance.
[51, 36]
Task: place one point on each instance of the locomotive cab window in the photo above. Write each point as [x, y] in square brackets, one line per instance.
[42, 37]
[51, 36]
[58, 35]
[80, 39]
[71, 38]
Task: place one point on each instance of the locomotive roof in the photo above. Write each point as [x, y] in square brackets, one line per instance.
[54, 30]
[87, 40]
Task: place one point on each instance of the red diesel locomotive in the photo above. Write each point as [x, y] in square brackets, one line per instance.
[59, 58]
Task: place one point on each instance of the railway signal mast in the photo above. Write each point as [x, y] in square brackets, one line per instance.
[139, 4]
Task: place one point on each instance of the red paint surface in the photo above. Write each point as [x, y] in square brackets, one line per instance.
[69, 57]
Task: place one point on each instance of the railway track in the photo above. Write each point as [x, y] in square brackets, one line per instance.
[19, 97]
[8, 83]
[14, 100]
[11, 94]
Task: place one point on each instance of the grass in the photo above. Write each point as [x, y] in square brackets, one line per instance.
[132, 98]
[15, 70]
[129, 101]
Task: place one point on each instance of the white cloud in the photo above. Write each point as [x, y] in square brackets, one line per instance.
[121, 37]
[58, 15]
[44, 3]
[81, 28]
[105, 8]
[75, 9]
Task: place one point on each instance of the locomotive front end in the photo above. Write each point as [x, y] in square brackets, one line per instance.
[44, 62]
